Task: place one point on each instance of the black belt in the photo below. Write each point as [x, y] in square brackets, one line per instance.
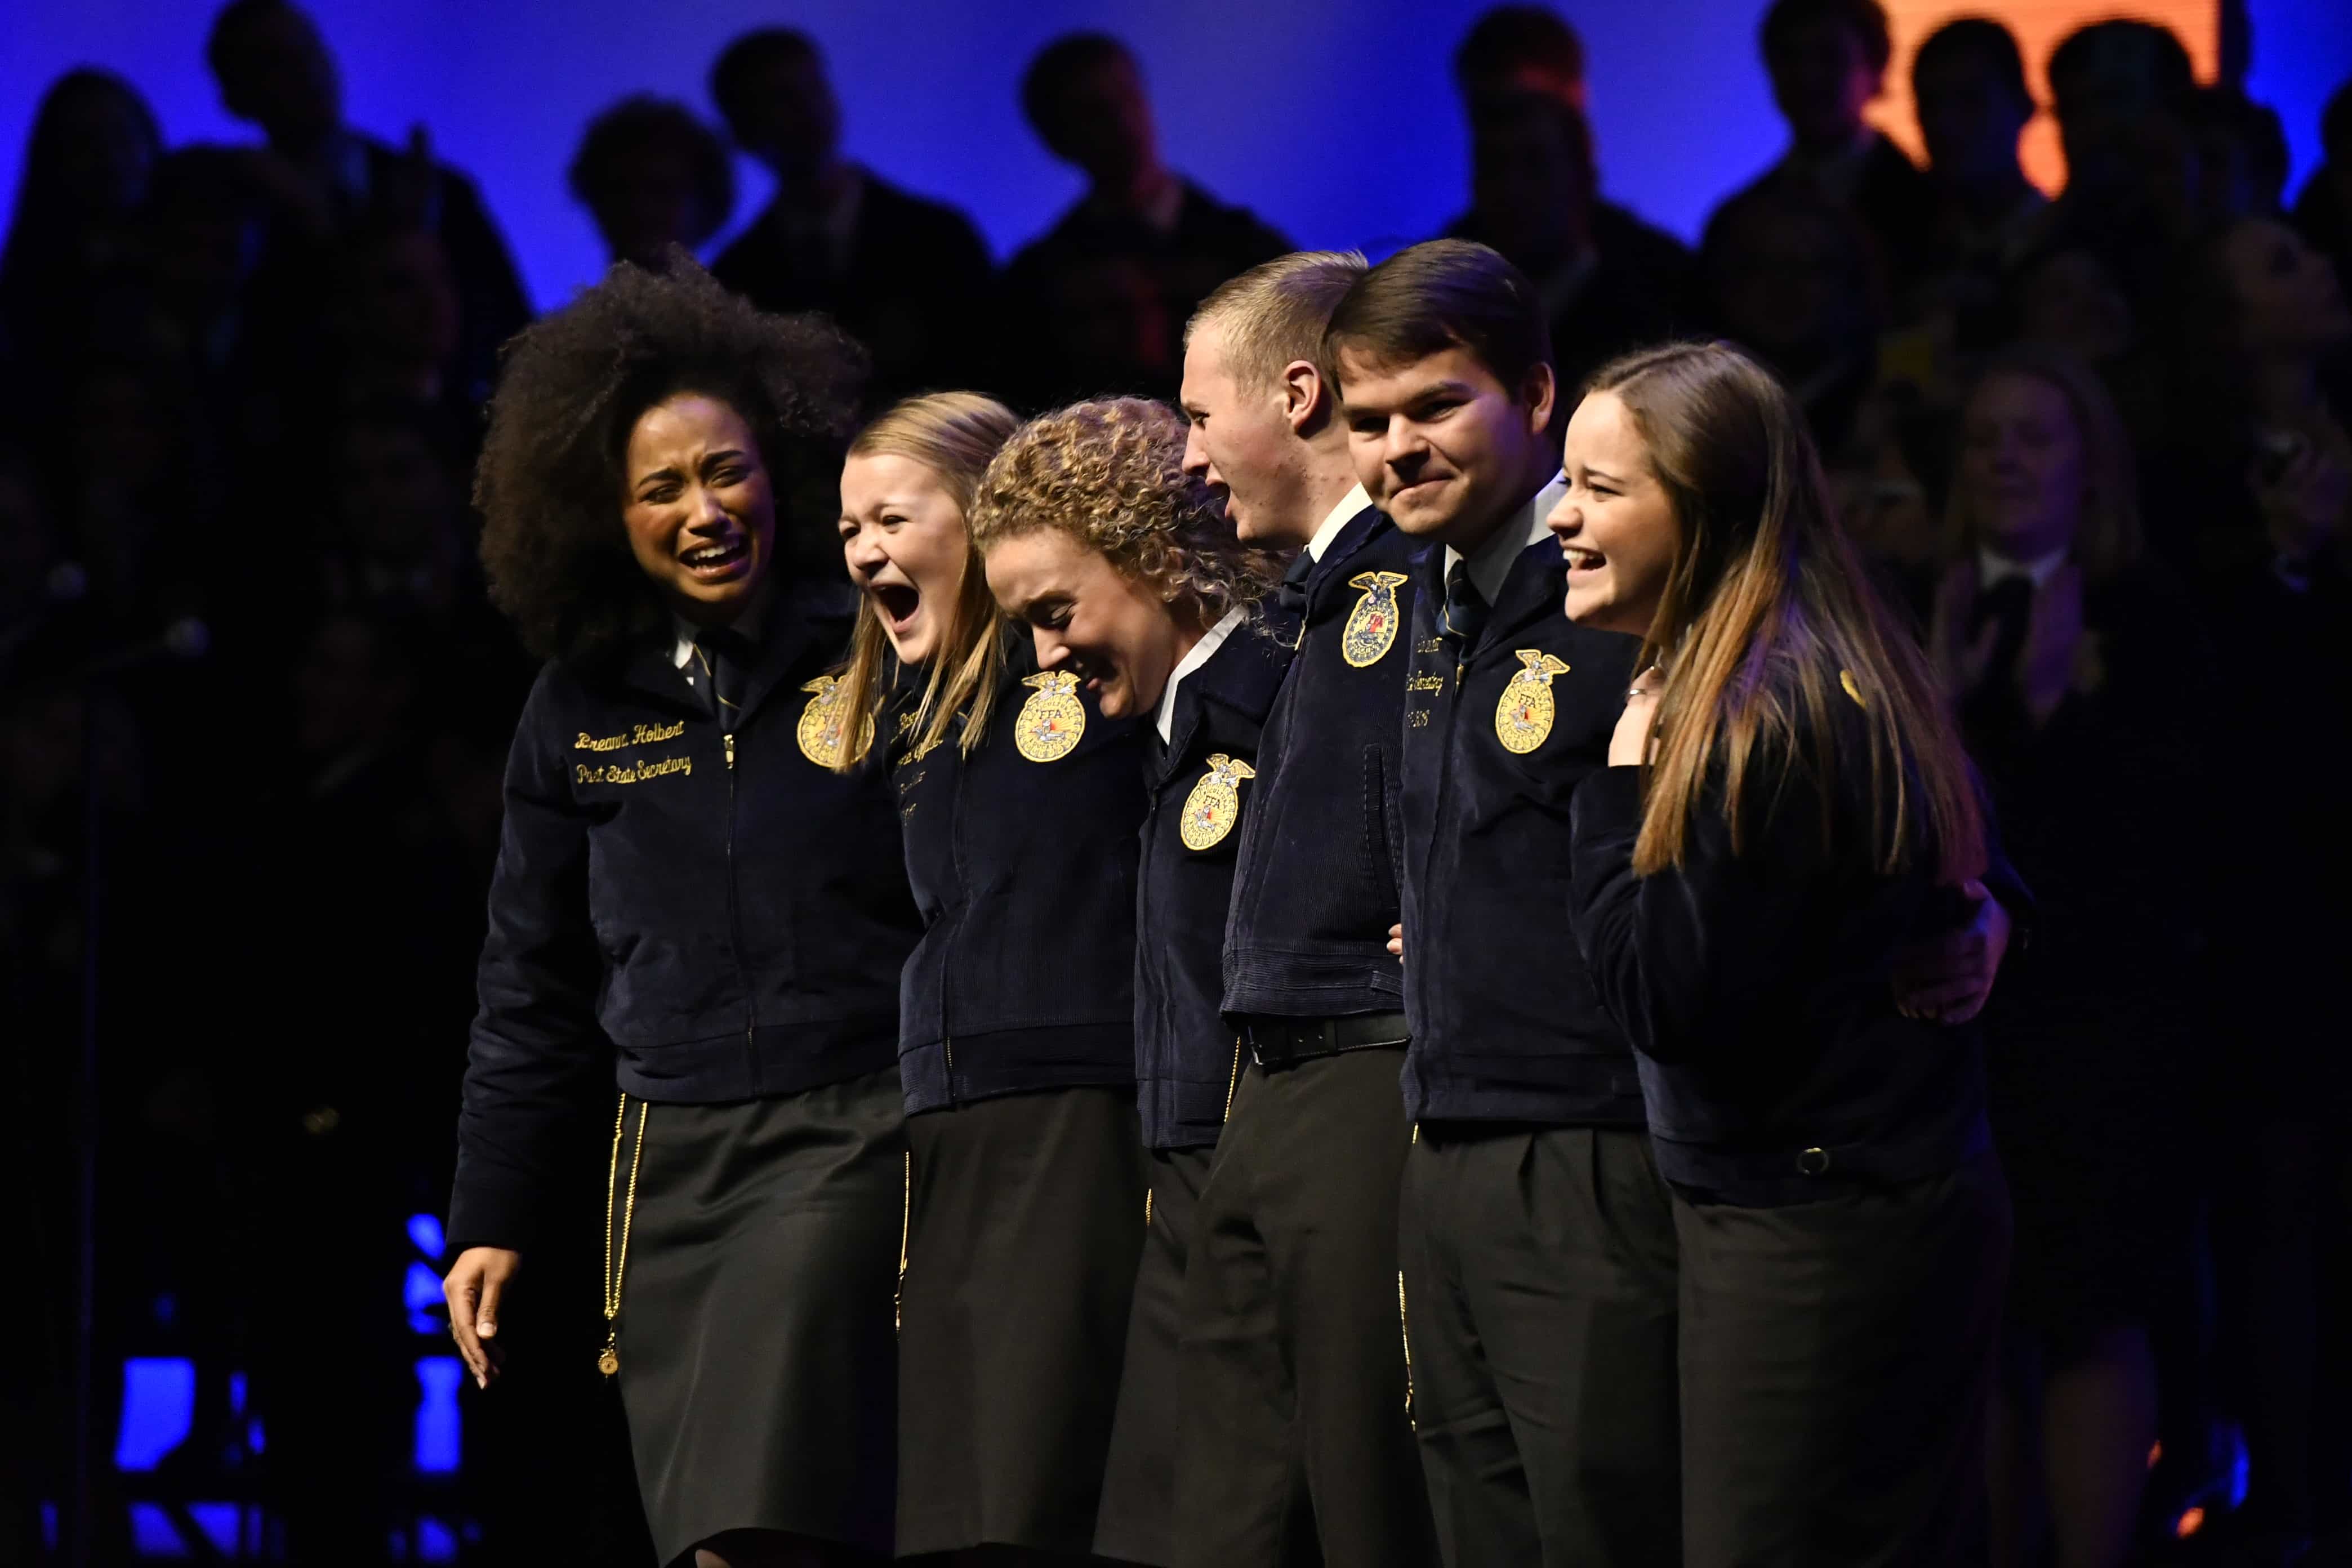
[1279, 1042]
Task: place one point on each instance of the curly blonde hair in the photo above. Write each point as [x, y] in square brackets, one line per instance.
[1110, 474]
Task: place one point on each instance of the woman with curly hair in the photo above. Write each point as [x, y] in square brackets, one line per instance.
[1130, 577]
[686, 872]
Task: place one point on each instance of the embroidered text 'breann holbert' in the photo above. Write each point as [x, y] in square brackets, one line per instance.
[635, 735]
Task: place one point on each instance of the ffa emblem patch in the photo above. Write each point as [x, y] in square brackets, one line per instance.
[1052, 720]
[1215, 803]
[824, 726]
[1846, 678]
[1372, 627]
[1523, 714]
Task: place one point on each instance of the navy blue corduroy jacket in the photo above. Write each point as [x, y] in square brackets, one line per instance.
[1315, 883]
[729, 914]
[1025, 873]
[1756, 987]
[1505, 1023]
[1185, 1057]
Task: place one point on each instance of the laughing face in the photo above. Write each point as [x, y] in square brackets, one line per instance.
[1113, 632]
[903, 539]
[699, 508]
[1615, 523]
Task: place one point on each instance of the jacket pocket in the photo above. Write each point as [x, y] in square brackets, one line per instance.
[1381, 871]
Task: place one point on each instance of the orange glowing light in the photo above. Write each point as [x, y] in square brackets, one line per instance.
[2041, 26]
[2155, 1455]
[2190, 1523]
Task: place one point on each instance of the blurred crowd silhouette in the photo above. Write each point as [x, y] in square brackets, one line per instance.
[2100, 444]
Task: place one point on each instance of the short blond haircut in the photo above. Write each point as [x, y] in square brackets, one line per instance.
[1274, 315]
[1110, 474]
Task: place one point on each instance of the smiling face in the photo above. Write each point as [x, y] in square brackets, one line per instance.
[903, 539]
[1441, 445]
[2289, 298]
[1241, 443]
[699, 507]
[2022, 466]
[1113, 632]
[1615, 524]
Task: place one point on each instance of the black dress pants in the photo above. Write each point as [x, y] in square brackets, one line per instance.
[1293, 1342]
[1835, 1360]
[1539, 1276]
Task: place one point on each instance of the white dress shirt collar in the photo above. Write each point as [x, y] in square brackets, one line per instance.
[1491, 563]
[1194, 658]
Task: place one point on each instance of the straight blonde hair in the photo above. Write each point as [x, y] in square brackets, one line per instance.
[954, 434]
[1769, 633]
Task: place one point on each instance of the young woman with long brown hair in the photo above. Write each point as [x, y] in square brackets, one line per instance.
[1787, 802]
[1019, 793]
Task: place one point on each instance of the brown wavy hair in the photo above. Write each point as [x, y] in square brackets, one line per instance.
[1110, 474]
[954, 434]
[1767, 616]
[552, 475]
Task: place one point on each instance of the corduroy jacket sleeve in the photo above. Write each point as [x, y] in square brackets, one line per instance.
[1681, 954]
[535, 1039]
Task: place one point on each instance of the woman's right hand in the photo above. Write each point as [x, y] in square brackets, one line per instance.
[475, 1290]
[2304, 504]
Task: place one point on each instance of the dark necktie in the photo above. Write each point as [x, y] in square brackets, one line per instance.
[1466, 608]
[2008, 605]
[722, 656]
[1290, 599]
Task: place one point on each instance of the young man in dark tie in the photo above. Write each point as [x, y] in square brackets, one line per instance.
[1538, 1247]
[1295, 1445]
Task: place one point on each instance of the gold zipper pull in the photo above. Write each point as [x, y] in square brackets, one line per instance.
[730, 750]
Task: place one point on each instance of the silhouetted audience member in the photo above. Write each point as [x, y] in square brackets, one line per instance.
[2263, 459]
[73, 239]
[907, 276]
[2122, 92]
[1969, 82]
[1792, 276]
[652, 175]
[326, 179]
[1099, 302]
[2243, 161]
[2324, 210]
[2084, 687]
[1827, 59]
[1533, 190]
[1531, 48]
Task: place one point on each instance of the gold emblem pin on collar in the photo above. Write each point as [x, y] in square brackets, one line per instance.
[1371, 627]
[1215, 803]
[1052, 720]
[823, 729]
[1523, 713]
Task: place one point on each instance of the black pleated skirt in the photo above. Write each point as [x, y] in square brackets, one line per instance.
[756, 1360]
[1027, 1221]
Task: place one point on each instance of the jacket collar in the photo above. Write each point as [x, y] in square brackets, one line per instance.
[805, 617]
[1230, 695]
[1531, 592]
[1362, 529]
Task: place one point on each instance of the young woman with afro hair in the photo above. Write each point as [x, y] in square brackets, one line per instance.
[687, 873]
